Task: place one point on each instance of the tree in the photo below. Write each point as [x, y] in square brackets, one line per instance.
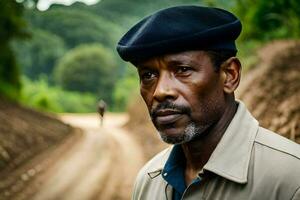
[39, 55]
[270, 19]
[265, 20]
[88, 68]
[12, 26]
[75, 26]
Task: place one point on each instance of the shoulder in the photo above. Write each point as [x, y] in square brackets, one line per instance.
[278, 144]
[151, 169]
[276, 158]
[149, 173]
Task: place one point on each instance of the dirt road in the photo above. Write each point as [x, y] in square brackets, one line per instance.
[103, 165]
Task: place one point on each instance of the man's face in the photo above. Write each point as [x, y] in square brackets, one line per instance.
[183, 93]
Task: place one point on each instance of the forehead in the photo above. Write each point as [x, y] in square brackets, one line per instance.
[186, 57]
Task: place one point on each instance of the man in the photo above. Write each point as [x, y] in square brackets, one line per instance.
[185, 57]
[101, 108]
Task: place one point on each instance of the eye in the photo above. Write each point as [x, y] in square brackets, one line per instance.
[184, 70]
[147, 75]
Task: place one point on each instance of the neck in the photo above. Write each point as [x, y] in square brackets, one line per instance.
[198, 151]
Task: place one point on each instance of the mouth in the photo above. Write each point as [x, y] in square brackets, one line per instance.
[167, 116]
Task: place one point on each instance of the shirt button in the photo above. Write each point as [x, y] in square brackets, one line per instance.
[165, 174]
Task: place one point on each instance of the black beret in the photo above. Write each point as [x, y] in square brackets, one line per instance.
[178, 29]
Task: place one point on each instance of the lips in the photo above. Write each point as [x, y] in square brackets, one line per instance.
[164, 117]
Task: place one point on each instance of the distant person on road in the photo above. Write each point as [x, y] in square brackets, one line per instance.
[101, 108]
[186, 60]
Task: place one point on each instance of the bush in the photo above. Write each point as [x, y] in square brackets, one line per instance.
[39, 95]
[87, 68]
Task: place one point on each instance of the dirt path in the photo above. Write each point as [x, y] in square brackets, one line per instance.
[103, 165]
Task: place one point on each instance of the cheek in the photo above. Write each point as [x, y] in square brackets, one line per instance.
[208, 99]
[147, 96]
[210, 87]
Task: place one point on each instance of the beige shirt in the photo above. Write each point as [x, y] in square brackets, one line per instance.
[249, 162]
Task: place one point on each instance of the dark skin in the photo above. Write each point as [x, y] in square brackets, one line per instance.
[199, 95]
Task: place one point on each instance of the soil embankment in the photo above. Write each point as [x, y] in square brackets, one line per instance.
[26, 138]
[272, 89]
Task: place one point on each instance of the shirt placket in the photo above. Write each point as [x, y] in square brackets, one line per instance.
[195, 187]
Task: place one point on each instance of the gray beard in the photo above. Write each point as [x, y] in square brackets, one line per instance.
[189, 133]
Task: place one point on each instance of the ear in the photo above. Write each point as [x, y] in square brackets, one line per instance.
[231, 68]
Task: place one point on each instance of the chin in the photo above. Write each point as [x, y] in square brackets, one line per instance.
[175, 136]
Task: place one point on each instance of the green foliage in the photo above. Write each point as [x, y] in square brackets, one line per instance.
[267, 20]
[126, 87]
[40, 53]
[88, 68]
[9, 91]
[75, 26]
[12, 26]
[39, 95]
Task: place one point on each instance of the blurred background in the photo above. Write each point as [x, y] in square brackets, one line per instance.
[58, 59]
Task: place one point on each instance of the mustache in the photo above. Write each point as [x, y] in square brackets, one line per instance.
[169, 105]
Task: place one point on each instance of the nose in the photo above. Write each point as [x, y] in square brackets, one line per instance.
[165, 88]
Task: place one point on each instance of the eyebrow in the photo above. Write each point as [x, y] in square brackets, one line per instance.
[145, 66]
[176, 62]
[181, 62]
[169, 62]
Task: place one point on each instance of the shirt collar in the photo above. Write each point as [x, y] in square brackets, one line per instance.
[232, 155]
